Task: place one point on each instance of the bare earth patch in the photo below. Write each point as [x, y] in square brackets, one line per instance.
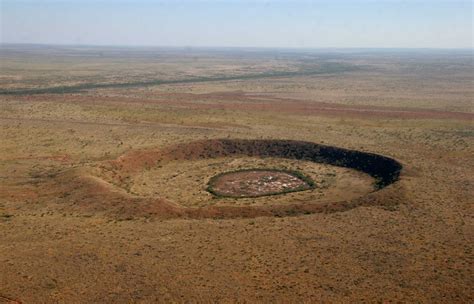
[253, 183]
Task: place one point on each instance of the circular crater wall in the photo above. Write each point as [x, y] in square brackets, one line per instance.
[140, 175]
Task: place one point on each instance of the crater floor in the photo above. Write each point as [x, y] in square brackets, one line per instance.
[258, 182]
[185, 182]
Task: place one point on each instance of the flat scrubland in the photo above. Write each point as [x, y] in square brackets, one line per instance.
[76, 227]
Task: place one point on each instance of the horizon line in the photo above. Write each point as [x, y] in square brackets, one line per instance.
[237, 47]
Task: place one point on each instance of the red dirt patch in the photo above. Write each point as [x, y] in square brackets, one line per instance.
[253, 183]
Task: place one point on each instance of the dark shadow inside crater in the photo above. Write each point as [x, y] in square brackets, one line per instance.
[385, 170]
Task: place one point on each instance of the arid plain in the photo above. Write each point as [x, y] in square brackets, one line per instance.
[106, 155]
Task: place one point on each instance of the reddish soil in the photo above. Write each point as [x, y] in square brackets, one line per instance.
[75, 227]
[256, 183]
[249, 102]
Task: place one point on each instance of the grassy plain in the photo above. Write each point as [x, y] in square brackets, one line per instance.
[65, 111]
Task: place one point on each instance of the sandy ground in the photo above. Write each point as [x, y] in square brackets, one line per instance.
[56, 250]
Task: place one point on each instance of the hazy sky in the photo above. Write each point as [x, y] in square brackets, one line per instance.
[258, 23]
